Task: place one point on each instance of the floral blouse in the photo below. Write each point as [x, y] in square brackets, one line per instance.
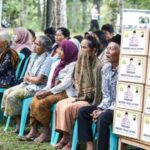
[7, 72]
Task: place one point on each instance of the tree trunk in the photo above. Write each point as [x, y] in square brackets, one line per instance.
[61, 14]
[44, 18]
[84, 6]
[21, 12]
[121, 14]
[39, 10]
[48, 13]
[1, 6]
[74, 11]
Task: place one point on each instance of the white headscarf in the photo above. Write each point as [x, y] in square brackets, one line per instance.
[76, 42]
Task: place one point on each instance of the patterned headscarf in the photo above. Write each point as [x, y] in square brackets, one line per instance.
[88, 78]
[24, 39]
[70, 55]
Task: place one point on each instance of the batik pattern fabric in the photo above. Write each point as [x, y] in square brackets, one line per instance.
[7, 72]
[109, 81]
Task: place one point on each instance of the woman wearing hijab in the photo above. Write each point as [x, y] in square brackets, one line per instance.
[34, 80]
[88, 84]
[22, 43]
[59, 86]
[8, 61]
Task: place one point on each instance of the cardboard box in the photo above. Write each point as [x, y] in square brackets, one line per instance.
[135, 42]
[130, 96]
[146, 108]
[127, 123]
[145, 128]
[132, 68]
[148, 72]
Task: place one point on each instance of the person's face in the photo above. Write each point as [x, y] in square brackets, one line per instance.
[60, 53]
[37, 47]
[15, 37]
[112, 52]
[85, 47]
[108, 35]
[59, 36]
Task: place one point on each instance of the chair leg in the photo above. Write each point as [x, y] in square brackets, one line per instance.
[113, 140]
[7, 123]
[24, 114]
[75, 136]
[54, 135]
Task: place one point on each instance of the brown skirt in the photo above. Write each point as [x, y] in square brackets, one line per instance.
[66, 113]
[40, 109]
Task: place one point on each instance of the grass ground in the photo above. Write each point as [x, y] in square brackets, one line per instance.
[9, 141]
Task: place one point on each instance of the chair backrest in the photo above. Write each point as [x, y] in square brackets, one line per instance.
[21, 56]
[24, 68]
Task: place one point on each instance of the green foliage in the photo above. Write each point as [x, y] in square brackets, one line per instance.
[11, 12]
[137, 4]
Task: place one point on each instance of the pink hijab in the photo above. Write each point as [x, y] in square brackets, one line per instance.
[23, 40]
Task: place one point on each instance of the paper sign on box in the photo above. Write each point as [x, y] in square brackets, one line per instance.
[135, 42]
[132, 68]
[145, 128]
[126, 123]
[129, 95]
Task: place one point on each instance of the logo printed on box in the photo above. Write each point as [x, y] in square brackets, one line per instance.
[126, 123]
[129, 96]
[132, 68]
[135, 42]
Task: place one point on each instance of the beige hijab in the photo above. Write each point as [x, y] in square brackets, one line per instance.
[88, 78]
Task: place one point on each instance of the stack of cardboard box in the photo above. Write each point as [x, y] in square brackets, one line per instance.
[131, 83]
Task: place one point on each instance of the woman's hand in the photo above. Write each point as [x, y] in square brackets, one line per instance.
[42, 94]
[26, 78]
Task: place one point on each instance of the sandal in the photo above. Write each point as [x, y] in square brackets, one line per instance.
[24, 138]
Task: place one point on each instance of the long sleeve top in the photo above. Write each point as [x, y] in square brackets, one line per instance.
[66, 81]
[109, 81]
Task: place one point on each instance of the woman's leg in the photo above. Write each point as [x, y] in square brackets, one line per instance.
[66, 113]
[40, 110]
[13, 104]
[33, 131]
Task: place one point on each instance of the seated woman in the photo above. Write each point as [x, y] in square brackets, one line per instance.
[9, 60]
[22, 43]
[59, 86]
[88, 84]
[34, 80]
[60, 35]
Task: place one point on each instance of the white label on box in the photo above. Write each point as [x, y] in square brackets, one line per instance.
[126, 124]
[134, 42]
[147, 101]
[132, 69]
[129, 96]
[145, 134]
[148, 73]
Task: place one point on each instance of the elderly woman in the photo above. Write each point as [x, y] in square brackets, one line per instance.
[8, 61]
[34, 80]
[59, 86]
[88, 84]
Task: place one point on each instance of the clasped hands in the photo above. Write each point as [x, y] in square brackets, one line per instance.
[95, 114]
